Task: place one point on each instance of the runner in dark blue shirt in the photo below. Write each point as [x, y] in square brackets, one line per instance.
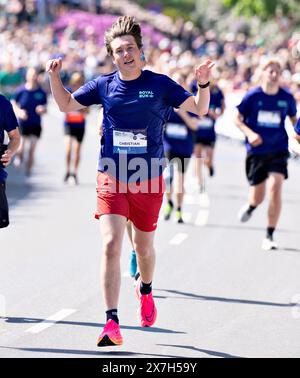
[179, 144]
[261, 117]
[29, 102]
[136, 104]
[8, 126]
[205, 135]
[74, 126]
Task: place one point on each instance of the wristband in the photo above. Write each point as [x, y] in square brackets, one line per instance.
[202, 86]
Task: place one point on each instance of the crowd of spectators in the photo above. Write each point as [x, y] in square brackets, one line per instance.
[27, 38]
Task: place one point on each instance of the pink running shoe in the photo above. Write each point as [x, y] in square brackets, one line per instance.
[147, 311]
[110, 335]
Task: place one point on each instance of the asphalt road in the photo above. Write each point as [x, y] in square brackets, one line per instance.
[218, 294]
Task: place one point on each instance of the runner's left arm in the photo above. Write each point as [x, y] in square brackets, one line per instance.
[199, 104]
[41, 109]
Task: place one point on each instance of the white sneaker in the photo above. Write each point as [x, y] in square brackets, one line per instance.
[268, 245]
[243, 214]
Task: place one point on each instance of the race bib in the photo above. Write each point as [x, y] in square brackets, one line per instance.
[205, 123]
[268, 119]
[130, 142]
[176, 131]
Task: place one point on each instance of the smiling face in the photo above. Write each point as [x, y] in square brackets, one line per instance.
[126, 56]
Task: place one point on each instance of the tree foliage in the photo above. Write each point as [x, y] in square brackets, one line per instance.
[262, 8]
[173, 8]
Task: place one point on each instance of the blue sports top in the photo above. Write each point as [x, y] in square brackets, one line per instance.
[134, 114]
[265, 114]
[178, 137]
[206, 124]
[29, 100]
[8, 122]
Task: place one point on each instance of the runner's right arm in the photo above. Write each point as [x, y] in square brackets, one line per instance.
[253, 138]
[62, 97]
[20, 113]
[191, 122]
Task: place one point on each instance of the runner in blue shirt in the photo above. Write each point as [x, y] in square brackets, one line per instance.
[136, 104]
[29, 103]
[9, 125]
[74, 126]
[179, 144]
[261, 117]
[205, 136]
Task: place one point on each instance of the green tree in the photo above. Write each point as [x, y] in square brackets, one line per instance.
[173, 8]
[263, 8]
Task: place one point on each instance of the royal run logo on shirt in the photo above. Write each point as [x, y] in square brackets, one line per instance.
[146, 94]
[269, 119]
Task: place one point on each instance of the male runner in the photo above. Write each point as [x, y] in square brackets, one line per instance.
[261, 117]
[9, 125]
[136, 104]
[30, 103]
[178, 141]
[205, 135]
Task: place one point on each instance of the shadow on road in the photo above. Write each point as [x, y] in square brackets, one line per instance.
[206, 351]
[31, 321]
[184, 295]
[288, 249]
[107, 353]
[19, 186]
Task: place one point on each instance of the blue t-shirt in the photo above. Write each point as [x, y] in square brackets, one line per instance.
[134, 114]
[265, 115]
[178, 137]
[29, 100]
[297, 127]
[206, 124]
[8, 122]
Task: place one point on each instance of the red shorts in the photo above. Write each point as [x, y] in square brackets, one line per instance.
[139, 203]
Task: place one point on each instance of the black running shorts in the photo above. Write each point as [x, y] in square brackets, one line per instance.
[258, 167]
[180, 160]
[75, 132]
[205, 142]
[34, 130]
[4, 221]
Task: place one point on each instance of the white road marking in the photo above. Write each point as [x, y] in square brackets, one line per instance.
[190, 199]
[178, 238]
[51, 320]
[204, 200]
[202, 217]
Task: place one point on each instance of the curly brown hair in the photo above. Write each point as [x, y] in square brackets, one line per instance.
[124, 25]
